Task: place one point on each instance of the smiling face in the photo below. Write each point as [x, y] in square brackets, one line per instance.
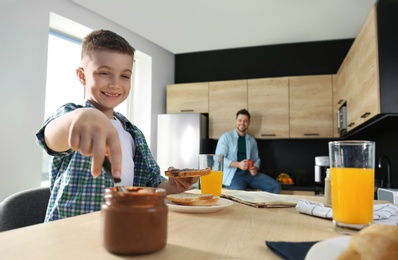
[242, 123]
[106, 75]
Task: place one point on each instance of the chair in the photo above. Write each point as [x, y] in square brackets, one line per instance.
[24, 208]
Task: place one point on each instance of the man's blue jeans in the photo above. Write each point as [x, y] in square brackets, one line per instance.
[244, 180]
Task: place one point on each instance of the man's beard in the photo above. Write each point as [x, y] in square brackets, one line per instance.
[241, 131]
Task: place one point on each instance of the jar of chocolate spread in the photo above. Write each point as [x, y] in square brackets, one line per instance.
[134, 222]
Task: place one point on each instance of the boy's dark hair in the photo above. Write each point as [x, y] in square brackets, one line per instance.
[243, 112]
[104, 39]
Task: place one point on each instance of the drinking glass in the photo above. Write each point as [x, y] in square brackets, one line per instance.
[352, 182]
[211, 183]
[250, 164]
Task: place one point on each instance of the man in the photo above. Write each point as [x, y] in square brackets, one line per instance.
[238, 147]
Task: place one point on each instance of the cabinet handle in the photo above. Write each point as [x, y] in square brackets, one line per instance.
[365, 115]
[311, 134]
[340, 101]
[268, 134]
[186, 110]
[351, 125]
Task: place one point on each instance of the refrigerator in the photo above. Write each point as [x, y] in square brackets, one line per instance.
[181, 138]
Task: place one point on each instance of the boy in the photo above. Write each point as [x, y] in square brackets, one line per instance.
[78, 137]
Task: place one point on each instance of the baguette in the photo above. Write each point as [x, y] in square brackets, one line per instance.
[373, 242]
[190, 199]
[184, 173]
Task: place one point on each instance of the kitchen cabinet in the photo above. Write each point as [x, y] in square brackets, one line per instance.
[225, 99]
[358, 77]
[311, 109]
[268, 104]
[188, 98]
[349, 89]
[335, 105]
[340, 95]
[285, 107]
[366, 102]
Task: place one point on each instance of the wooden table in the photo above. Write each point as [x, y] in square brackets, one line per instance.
[235, 232]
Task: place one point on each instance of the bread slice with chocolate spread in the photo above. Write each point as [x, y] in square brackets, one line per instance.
[184, 173]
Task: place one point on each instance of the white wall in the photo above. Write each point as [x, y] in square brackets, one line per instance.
[24, 27]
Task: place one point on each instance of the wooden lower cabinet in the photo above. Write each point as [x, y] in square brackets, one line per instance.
[311, 108]
[225, 99]
[268, 104]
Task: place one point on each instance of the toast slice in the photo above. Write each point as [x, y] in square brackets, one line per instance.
[190, 199]
[184, 173]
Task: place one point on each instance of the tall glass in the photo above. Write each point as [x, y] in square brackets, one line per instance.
[212, 183]
[352, 166]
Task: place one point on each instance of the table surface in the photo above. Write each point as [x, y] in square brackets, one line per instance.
[234, 232]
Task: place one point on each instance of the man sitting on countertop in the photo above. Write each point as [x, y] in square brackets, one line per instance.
[238, 147]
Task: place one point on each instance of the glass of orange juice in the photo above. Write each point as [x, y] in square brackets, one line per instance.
[352, 166]
[211, 183]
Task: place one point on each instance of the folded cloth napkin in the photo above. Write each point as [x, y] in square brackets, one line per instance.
[290, 250]
[382, 214]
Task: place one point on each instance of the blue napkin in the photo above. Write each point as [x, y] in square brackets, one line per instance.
[290, 250]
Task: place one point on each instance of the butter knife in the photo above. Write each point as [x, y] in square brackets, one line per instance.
[108, 169]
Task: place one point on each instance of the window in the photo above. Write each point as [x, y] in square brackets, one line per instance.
[62, 85]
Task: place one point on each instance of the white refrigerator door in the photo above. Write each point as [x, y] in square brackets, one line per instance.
[179, 140]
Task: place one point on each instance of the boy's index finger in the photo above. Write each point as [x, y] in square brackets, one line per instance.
[98, 154]
[96, 167]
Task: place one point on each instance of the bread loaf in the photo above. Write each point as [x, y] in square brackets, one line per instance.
[373, 243]
[190, 199]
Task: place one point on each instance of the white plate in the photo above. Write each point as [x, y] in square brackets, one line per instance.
[221, 203]
[328, 249]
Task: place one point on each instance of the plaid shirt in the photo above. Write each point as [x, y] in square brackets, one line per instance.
[73, 190]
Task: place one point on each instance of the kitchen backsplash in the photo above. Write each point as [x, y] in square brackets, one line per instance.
[291, 154]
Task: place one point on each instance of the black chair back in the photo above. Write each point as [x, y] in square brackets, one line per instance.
[24, 208]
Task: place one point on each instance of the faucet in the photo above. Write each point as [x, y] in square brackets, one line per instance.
[388, 168]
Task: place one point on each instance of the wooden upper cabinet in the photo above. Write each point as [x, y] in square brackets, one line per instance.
[188, 98]
[311, 106]
[358, 77]
[349, 90]
[268, 104]
[340, 81]
[225, 99]
[367, 98]
[335, 106]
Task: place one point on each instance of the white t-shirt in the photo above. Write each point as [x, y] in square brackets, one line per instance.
[128, 150]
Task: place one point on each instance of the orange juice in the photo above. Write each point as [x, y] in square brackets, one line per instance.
[352, 195]
[211, 183]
